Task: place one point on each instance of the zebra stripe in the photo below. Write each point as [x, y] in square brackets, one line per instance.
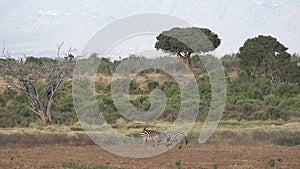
[173, 137]
[150, 135]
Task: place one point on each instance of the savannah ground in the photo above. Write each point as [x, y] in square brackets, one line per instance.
[234, 145]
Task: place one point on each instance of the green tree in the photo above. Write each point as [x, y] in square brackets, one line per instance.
[264, 55]
[106, 66]
[185, 41]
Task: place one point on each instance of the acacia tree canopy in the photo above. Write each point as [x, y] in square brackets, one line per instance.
[185, 41]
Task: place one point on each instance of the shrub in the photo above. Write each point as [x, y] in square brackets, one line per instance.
[265, 84]
[272, 100]
[65, 117]
[178, 164]
[100, 87]
[152, 84]
[64, 102]
[105, 66]
[249, 105]
[287, 141]
[15, 110]
[141, 103]
[287, 90]
[273, 112]
[261, 115]
[134, 88]
[291, 102]
[170, 88]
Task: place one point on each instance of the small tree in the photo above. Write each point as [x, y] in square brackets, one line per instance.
[185, 41]
[41, 79]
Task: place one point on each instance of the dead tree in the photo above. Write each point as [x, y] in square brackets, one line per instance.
[41, 79]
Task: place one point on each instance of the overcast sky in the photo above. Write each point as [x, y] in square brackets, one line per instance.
[35, 27]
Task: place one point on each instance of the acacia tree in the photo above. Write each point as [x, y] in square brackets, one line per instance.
[185, 41]
[41, 79]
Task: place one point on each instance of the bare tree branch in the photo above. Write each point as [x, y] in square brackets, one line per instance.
[41, 79]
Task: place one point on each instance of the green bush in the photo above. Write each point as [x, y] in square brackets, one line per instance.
[141, 103]
[100, 87]
[134, 88]
[287, 141]
[152, 84]
[105, 102]
[64, 102]
[64, 118]
[287, 90]
[272, 100]
[291, 102]
[107, 108]
[178, 164]
[170, 88]
[274, 113]
[15, 111]
[14, 119]
[265, 84]
[204, 87]
[261, 115]
[249, 105]
[170, 118]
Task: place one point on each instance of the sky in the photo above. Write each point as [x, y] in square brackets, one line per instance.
[35, 27]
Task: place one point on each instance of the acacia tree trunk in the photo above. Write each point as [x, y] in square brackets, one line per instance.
[186, 59]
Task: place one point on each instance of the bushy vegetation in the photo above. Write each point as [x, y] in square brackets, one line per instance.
[14, 109]
[266, 90]
[287, 141]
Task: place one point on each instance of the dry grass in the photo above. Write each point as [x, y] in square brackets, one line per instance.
[105, 79]
[141, 80]
[253, 133]
[132, 127]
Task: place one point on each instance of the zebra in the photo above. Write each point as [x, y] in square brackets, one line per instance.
[172, 137]
[168, 138]
[151, 135]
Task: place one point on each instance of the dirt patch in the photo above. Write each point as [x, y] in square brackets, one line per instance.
[225, 149]
[196, 156]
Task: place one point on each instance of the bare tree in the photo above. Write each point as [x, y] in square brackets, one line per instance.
[41, 79]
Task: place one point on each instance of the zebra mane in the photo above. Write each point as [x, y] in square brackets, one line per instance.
[144, 128]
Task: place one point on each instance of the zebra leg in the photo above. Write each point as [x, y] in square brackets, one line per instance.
[180, 144]
[144, 142]
[157, 139]
[186, 141]
[164, 137]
